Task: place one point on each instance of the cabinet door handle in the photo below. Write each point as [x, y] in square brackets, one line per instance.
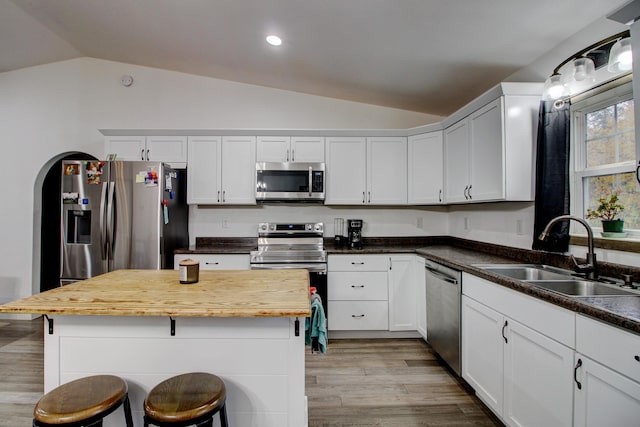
[357, 286]
[218, 196]
[390, 264]
[357, 315]
[575, 374]
[224, 196]
[363, 198]
[369, 196]
[440, 196]
[469, 192]
[142, 154]
[637, 358]
[465, 192]
[293, 155]
[287, 155]
[506, 323]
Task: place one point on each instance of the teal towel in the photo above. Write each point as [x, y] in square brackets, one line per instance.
[316, 326]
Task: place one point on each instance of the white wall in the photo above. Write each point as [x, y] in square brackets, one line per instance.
[508, 224]
[242, 221]
[56, 108]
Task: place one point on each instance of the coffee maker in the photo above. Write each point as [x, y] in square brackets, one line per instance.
[354, 230]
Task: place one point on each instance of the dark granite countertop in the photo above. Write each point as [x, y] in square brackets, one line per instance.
[461, 254]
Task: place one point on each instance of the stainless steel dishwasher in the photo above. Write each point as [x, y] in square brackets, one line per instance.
[444, 290]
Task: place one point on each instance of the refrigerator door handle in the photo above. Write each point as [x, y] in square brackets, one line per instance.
[110, 223]
[103, 228]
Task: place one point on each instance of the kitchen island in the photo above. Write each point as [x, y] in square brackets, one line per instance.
[247, 327]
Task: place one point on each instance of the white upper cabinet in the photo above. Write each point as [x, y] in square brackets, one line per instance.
[489, 153]
[346, 171]
[308, 149]
[425, 169]
[168, 149]
[456, 164]
[387, 171]
[221, 170]
[366, 170]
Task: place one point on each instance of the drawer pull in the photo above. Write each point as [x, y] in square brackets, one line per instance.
[575, 374]
[357, 315]
[637, 358]
[362, 286]
[212, 263]
[503, 335]
[357, 263]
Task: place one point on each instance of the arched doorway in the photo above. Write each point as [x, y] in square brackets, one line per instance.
[46, 228]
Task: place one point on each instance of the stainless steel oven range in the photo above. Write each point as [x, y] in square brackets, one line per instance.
[293, 245]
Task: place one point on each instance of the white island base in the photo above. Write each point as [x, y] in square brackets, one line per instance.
[260, 360]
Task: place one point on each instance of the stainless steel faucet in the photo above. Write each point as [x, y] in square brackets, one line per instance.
[590, 269]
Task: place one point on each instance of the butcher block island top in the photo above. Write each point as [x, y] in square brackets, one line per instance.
[221, 293]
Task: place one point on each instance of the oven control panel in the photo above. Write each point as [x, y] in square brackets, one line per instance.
[290, 228]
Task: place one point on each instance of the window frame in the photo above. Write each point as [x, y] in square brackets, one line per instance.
[588, 103]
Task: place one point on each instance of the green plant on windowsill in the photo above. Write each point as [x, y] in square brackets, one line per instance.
[608, 210]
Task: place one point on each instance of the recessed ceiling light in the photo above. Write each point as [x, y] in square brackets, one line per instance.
[274, 40]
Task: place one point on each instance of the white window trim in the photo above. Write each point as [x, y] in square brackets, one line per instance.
[623, 92]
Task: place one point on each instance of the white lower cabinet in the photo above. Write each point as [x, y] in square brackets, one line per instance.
[421, 297]
[538, 383]
[215, 261]
[607, 375]
[357, 293]
[605, 398]
[521, 374]
[402, 293]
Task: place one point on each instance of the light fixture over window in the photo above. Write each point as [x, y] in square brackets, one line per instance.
[614, 52]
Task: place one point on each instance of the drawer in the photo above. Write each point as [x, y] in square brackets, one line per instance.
[611, 346]
[358, 286]
[215, 262]
[358, 315]
[357, 262]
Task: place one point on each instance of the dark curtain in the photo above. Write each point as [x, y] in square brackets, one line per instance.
[552, 175]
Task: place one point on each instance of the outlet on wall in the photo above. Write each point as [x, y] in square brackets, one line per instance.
[466, 223]
[519, 227]
[225, 224]
[419, 222]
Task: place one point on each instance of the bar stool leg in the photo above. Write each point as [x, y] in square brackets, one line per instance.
[223, 415]
[127, 411]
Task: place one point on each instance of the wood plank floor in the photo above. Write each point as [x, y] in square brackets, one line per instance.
[384, 383]
[387, 383]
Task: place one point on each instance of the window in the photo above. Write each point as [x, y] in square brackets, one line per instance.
[605, 154]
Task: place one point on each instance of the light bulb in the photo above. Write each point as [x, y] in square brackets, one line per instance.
[554, 88]
[584, 70]
[274, 40]
[620, 56]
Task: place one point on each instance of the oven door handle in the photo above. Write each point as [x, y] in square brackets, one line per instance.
[313, 268]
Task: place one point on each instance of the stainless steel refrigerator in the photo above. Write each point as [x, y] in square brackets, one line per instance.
[118, 215]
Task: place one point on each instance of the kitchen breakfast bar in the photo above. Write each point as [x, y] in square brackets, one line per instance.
[247, 327]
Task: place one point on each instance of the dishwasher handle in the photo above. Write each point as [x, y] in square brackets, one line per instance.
[442, 276]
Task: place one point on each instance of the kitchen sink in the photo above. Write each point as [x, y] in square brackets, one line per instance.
[527, 271]
[581, 288]
[556, 279]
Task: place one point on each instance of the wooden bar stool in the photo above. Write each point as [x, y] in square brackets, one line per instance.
[83, 402]
[185, 400]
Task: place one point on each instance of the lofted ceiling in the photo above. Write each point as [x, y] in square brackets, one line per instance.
[430, 56]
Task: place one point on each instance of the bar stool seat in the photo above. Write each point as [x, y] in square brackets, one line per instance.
[185, 400]
[83, 402]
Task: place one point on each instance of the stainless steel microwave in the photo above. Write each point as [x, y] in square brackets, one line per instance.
[289, 181]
